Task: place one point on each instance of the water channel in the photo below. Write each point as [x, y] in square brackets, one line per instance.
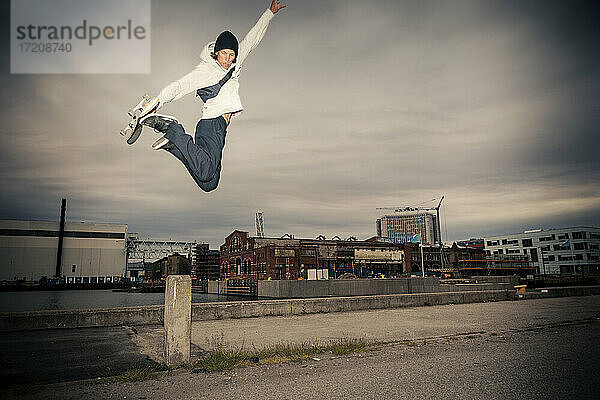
[83, 299]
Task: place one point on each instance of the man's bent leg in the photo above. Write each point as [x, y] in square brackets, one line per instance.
[206, 186]
[210, 134]
[200, 157]
[200, 160]
[213, 183]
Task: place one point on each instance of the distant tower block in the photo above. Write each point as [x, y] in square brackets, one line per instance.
[259, 224]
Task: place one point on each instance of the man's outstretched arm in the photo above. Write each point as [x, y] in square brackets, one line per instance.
[255, 35]
[187, 84]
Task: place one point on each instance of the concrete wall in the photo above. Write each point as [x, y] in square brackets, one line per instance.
[142, 315]
[513, 280]
[282, 289]
[153, 315]
[345, 287]
[469, 287]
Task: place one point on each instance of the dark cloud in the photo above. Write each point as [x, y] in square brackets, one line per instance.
[349, 106]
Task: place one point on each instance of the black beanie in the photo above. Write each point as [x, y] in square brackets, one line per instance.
[226, 40]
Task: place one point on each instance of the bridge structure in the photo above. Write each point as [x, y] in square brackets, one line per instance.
[144, 251]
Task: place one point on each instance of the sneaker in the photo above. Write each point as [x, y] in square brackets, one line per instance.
[162, 144]
[150, 107]
[160, 123]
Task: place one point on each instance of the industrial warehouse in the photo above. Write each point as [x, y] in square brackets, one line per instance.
[88, 252]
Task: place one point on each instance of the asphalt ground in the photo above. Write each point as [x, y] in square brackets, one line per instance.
[545, 348]
[58, 355]
[387, 324]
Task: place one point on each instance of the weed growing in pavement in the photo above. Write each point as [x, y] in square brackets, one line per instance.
[139, 374]
[223, 358]
[349, 345]
[217, 315]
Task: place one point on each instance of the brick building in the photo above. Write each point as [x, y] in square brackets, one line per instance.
[459, 254]
[431, 254]
[290, 258]
[174, 264]
[466, 261]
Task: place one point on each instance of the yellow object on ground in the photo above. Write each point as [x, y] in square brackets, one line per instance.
[520, 289]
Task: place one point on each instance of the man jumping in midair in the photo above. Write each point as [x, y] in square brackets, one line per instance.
[215, 80]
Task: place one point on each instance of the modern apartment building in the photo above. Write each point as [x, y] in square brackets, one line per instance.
[401, 226]
[565, 251]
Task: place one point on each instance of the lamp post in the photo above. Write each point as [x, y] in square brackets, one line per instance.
[542, 259]
[422, 258]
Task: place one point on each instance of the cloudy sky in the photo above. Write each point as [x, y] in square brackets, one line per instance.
[349, 105]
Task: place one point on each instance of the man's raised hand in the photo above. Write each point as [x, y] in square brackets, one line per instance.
[275, 6]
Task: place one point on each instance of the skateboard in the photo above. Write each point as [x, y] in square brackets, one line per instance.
[133, 129]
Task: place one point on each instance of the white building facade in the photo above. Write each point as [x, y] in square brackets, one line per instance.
[92, 253]
[566, 251]
[400, 227]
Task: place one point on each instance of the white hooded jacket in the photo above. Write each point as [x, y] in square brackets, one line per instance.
[209, 72]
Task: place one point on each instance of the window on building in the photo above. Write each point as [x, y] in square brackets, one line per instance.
[566, 269]
[534, 254]
[504, 241]
[563, 236]
[527, 243]
[578, 235]
[551, 258]
[580, 246]
[73, 268]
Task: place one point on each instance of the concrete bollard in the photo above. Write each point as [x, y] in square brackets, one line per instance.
[178, 318]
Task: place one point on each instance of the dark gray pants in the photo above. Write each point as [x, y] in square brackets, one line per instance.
[201, 157]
